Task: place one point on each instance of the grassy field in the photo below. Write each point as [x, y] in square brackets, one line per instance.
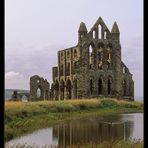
[25, 117]
[107, 144]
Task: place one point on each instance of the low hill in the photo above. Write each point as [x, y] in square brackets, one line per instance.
[9, 92]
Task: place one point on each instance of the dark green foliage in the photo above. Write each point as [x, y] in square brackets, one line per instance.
[108, 104]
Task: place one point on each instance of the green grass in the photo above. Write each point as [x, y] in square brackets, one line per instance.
[25, 117]
[105, 144]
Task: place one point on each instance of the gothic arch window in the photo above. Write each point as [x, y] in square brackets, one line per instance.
[56, 86]
[100, 45]
[108, 86]
[108, 60]
[99, 86]
[105, 33]
[61, 70]
[90, 56]
[62, 86]
[68, 69]
[108, 56]
[124, 70]
[109, 46]
[99, 56]
[68, 89]
[91, 86]
[99, 31]
[94, 35]
[38, 93]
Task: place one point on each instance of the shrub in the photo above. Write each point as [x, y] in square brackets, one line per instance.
[108, 103]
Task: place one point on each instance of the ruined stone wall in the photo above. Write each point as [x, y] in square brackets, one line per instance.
[36, 83]
[93, 68]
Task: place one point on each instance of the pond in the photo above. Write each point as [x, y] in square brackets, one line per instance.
[96, 129]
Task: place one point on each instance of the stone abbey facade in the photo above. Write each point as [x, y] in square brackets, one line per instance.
[93, 68]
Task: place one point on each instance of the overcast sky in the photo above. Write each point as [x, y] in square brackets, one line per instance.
[36, 29]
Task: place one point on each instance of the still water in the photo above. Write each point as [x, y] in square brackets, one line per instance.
[122, 126]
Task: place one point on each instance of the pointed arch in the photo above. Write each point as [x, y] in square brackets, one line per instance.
[56, 90]
[94, 34]
[100, 86]
[99, 31]
[90, 56]
[68, 88]
[105, 35]
[61, 70]
[91, 47]
[100, 45]
[109, 46]
[56, 86]
[124, 69]
[62, 89]
[67, 68]
[38, 92]
[109, 86]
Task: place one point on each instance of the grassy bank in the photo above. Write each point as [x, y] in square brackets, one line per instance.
[107, 144]
[25, 117]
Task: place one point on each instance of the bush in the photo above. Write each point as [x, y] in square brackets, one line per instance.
[108, 104]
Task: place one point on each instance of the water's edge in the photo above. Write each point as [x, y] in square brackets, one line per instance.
[82, 129]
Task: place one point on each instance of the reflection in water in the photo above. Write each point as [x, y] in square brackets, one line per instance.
[93, 129]
[82, 131]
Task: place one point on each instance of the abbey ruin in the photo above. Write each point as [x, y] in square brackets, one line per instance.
[91, 69]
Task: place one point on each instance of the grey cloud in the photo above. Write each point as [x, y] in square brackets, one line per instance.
[36, 61]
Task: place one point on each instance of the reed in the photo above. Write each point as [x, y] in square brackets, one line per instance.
[105, 144]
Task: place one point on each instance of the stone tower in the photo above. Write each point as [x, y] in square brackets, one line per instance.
[93, 68]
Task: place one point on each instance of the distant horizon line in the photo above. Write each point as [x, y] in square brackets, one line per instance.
[29, 90]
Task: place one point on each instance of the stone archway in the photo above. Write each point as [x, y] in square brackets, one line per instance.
[62, 89]
[109, 85]
[56, 90]
[100, 87]
[39, 93]
[68, 89]
[38, 84]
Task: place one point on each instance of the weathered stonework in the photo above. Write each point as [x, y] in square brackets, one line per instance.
[36, 83]
[92, 68]
[18, 96]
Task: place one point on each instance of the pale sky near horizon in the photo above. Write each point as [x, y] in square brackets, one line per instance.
[36, 29]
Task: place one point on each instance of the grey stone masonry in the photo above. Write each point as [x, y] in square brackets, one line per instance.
[93, 68]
